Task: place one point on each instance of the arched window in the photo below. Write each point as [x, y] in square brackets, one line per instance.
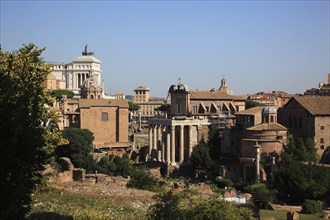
[271, 118]
[104, 116]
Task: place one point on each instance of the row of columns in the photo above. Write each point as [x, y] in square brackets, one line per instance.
[162, 143]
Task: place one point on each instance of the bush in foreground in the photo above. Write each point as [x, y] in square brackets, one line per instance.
[189, 204]
[311, 207]
[141, 178]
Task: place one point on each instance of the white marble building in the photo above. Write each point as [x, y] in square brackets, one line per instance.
[71, 76]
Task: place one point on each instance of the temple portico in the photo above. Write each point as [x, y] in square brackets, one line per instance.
[172, 140]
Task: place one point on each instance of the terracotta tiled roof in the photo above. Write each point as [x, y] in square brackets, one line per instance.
[156, 99]
[251, 111]
[267, 127]
[316, 105]
[214, 95]
[85, 103]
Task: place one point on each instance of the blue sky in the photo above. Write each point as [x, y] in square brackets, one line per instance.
[257, 45]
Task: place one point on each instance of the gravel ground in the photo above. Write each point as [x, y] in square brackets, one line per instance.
[140, 199]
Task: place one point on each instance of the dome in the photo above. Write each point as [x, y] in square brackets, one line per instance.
[225, 88]
[86, 59]
[90, 83]
[269, 110]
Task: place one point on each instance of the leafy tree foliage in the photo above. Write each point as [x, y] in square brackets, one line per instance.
[214, 143]
[297, 149]
[133, 107]
[58, 93]
[261, 194]
[298, 177]
[79, 148]
[191, 205]
[117, 166]
[201, 158]
[26, 141]
[141, 178]
[223, 182]
[164, 108]
[250, 104]
[311, 207]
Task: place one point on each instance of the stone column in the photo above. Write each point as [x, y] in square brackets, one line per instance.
[159, 142]
[154, 146]
[150, 139]
[257, 167]
[163, 151]
[173, 144]
[181, 143]
[168, 145]
[190, 139]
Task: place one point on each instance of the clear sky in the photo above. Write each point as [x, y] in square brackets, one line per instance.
[257, 45]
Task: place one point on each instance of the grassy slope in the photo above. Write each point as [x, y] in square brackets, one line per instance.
[281, 215]
[79, 206]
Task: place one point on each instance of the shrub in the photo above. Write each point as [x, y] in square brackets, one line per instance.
[311, 207]
[142, 179]
[223, 182]
[261, 194]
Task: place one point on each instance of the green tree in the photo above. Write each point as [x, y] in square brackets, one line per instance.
[141, 178]
[296, 181]
[26, 141]
[133, 107]
[60, 92]
[79, 148]
[201, 158]
[123, 165]
[250, 104]
[191, 205]
[214, 143]
[164, 108]
[311, 207]
[261, 194]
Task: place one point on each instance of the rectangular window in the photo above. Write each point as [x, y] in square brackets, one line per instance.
[321, 140]
[104, 116]
[322, 127]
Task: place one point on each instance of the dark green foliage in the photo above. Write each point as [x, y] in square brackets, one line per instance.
[250, 104]
[214, 143]
[311, 207]
[297, 181]
[164, 108]
[191, 205]
[141, 178]
[223, 182]
[261, 195]
[58, 93]
[116, 166]
[123, 165]
[133, 107]
[201, 158]
[25, 142]
[79, 148]
[299, 150]
[298, 177]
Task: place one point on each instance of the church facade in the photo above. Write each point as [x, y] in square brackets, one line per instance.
[172, 139]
